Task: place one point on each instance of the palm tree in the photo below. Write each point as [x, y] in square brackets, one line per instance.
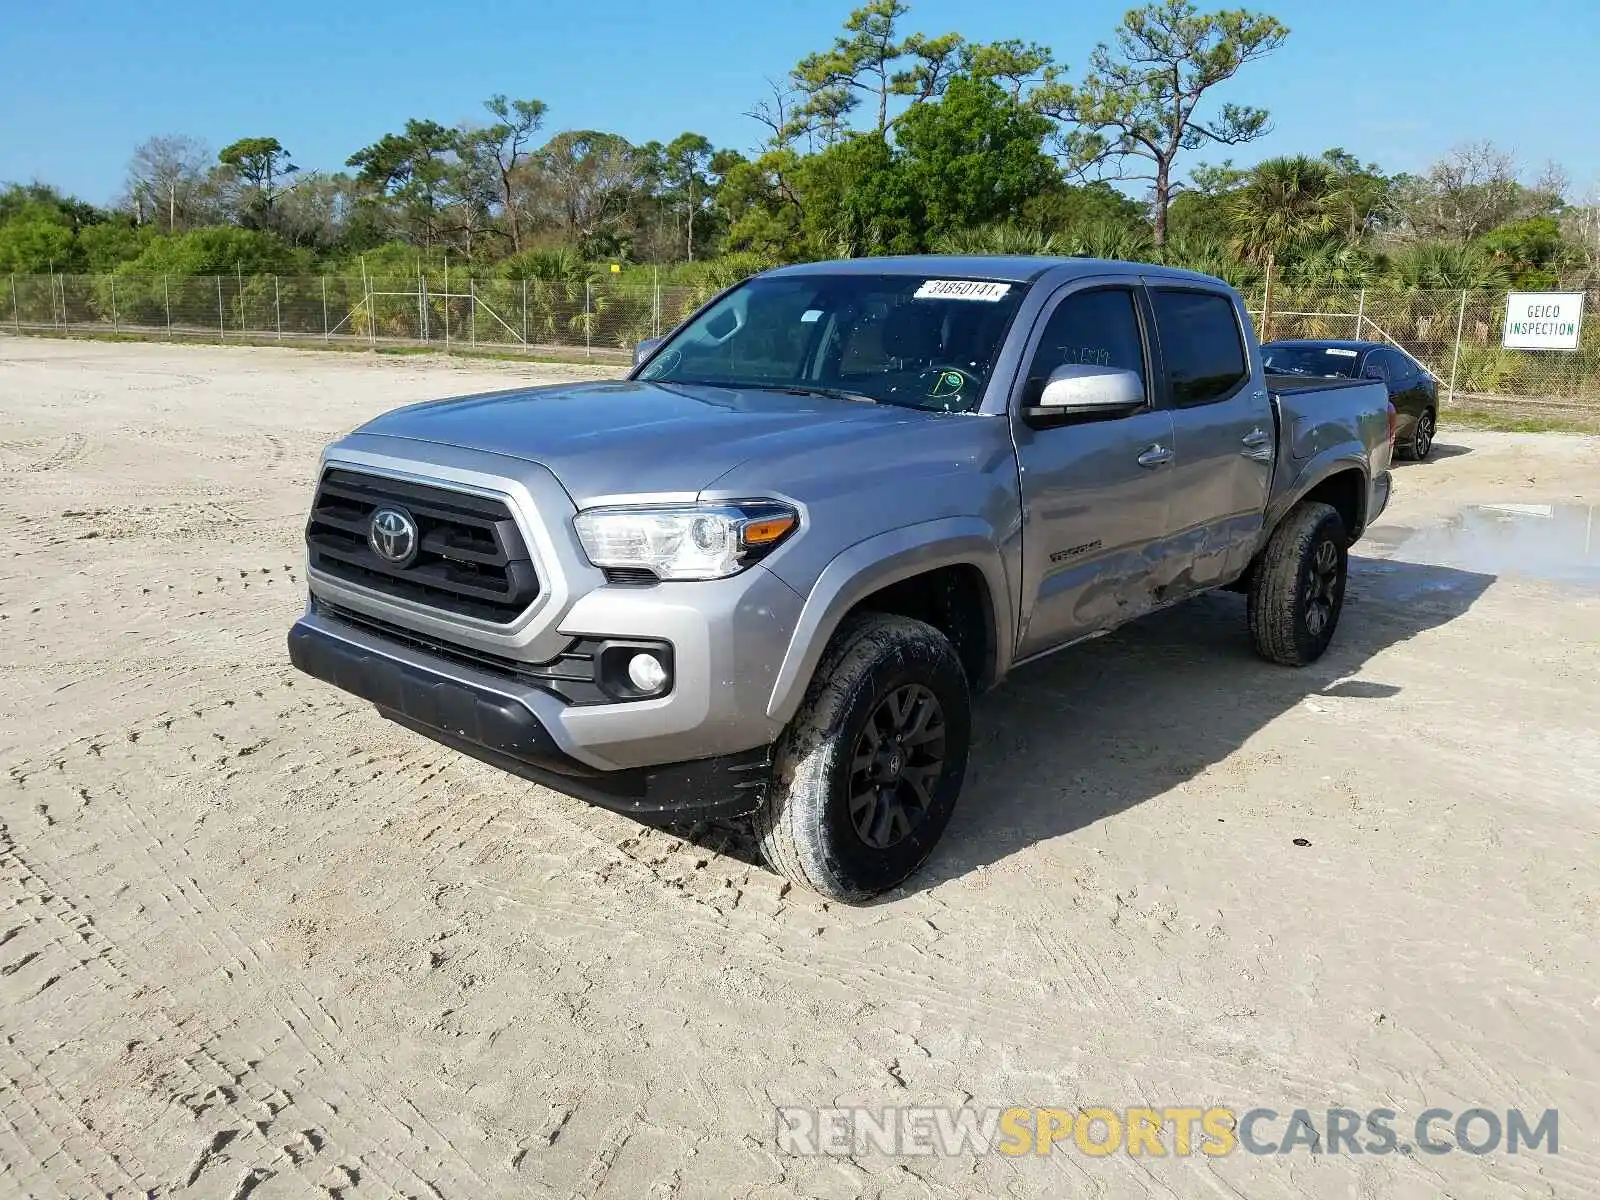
[1436, 266]
[1287, 202]
[998, 239]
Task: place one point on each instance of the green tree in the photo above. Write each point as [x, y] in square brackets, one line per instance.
[686, 162]
[589, 176]
[261, 164]
[214, 251]
[1139, 104]
[1361, 194]
[1014, 64]
[106, 246]
[974, 158]
[1531, 251]
[1287, 202]
[33, 245]
[413, 170]
[859, 200]
[1065, 209]
[502, 149]
[762, 206]
[870, 61]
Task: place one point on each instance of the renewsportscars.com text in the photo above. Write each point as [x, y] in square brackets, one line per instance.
[1160, 1132]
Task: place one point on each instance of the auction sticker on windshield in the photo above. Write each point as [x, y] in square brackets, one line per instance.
[962, 289]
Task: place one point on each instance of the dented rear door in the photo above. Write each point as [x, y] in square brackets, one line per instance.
[1224, 435]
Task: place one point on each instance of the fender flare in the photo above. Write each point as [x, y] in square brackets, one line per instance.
[875, 563]
[1318, 470]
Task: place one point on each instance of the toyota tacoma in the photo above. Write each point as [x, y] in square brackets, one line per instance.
[764, 575]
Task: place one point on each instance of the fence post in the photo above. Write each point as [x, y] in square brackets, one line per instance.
[239, 270]
[325, 337]
[472, 308]
[524, 312]
[53, 297]
[1266, 305]
[222, 327]
[1455, 359]
[116, 326]
[422, 312]
[422, 303]
[447, 302]
[372, 314]
[1361, 312]
[277, 308]
[166, 302]
[588, 320]
[655, 301]
[16, 312]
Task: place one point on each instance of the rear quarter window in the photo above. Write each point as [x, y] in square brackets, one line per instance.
[1201, 345]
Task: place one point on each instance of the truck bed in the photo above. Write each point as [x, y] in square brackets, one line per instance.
[1322, 421]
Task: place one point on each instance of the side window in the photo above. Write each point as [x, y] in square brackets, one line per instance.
[1099, 327]
[1377, 365]
[1200, 344]
[1401, 368]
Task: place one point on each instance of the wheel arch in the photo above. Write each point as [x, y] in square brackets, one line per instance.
[1339, 480]
[947, 572]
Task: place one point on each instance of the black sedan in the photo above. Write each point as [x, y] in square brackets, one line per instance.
[1413, 391]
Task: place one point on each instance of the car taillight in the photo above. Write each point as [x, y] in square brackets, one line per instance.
[1393, 420]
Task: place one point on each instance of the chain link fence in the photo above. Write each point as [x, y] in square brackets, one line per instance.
[1454, 334]
[597, 319]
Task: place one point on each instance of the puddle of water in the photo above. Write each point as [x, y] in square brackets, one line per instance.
[1556, 542]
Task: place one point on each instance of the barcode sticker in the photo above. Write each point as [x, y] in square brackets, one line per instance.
[1340, 351]
[962, 289]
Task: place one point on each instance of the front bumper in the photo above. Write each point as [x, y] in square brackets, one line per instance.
[496, 726]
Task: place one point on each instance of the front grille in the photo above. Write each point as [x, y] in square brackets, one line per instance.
[470, 558]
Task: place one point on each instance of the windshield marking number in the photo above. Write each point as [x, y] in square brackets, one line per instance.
[962, 289]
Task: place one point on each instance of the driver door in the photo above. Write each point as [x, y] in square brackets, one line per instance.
[1094, 491]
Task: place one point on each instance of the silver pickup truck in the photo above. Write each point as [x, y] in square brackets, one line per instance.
[764, 574]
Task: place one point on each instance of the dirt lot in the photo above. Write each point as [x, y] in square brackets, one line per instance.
[257, 941]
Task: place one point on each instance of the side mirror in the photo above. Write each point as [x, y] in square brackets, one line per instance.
[1083, 389]
[645, 348]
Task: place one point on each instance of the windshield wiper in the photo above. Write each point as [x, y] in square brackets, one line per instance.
[807, 390]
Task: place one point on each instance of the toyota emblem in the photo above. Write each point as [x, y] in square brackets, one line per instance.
[393, 536]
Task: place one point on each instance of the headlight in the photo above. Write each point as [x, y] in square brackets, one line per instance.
[694, 541]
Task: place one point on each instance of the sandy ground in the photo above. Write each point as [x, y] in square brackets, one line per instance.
[256, 941]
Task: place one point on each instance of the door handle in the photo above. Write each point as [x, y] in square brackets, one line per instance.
[1155, 456]
[1256, 437]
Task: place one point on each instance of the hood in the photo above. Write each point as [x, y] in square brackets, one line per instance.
[607, 441]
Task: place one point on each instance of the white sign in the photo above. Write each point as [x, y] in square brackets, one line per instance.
[1543, 320]
[962, 289]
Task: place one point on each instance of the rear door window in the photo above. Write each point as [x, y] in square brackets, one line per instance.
[1201, 345]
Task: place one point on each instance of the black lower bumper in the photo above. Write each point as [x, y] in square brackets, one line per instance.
[503, 733]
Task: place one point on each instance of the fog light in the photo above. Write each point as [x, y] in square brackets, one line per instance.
[646, 673]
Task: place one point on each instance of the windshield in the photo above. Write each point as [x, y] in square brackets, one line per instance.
[1335, 362]
[892, 339]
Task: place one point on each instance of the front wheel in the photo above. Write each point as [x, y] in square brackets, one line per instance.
[867, 773]
[1297, 588]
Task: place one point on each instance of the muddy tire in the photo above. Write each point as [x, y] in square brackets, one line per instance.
[866, 775]
[1297, 587]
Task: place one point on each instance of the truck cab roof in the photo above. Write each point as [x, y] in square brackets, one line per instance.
[1002, 268]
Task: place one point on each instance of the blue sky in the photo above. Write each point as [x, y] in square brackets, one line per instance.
[84, 81]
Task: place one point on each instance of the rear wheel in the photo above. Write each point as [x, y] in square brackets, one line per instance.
[1297, 588]
[866, 775]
